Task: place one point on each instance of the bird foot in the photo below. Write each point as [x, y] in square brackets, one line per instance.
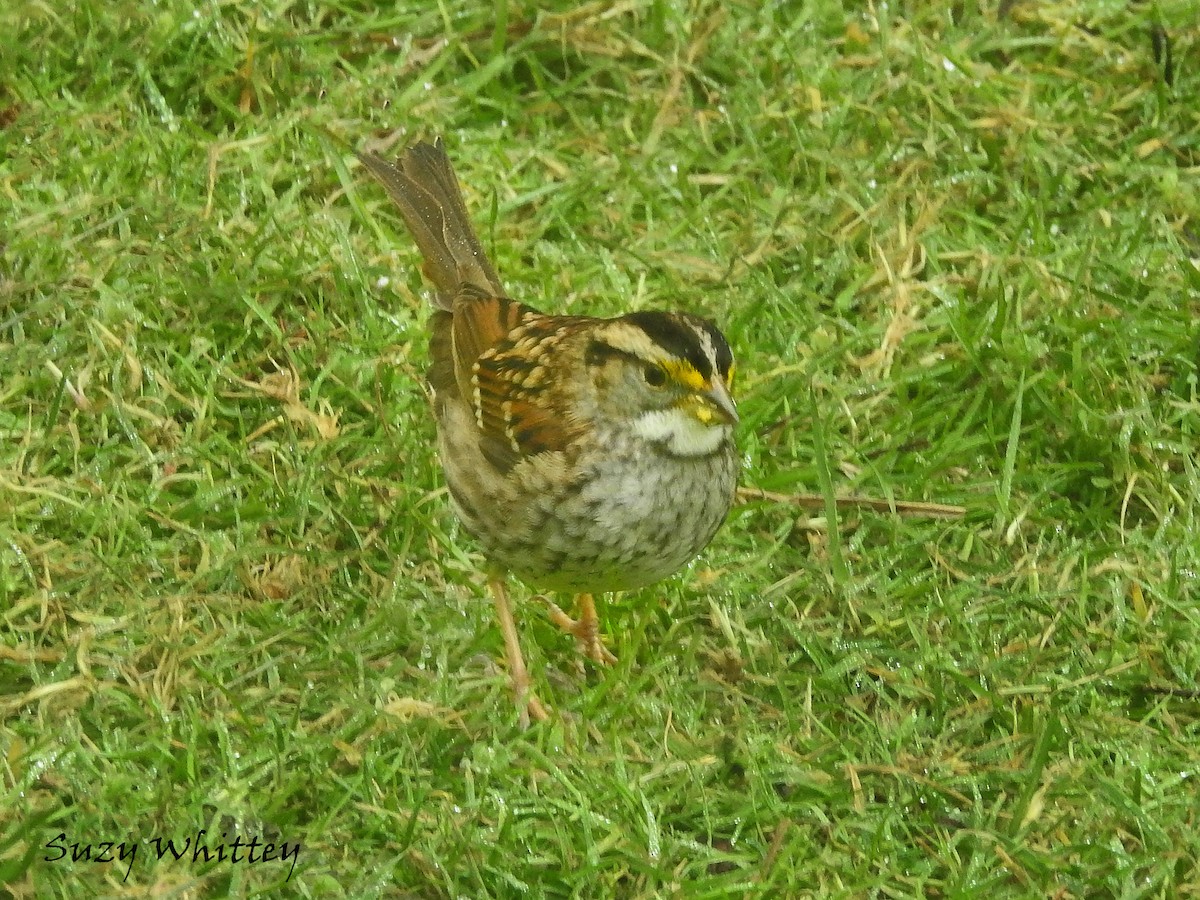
[528, 705]
[586, 630]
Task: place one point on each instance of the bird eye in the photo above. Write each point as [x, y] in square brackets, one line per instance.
[655, 377]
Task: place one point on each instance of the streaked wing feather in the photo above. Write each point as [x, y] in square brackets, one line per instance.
[519, 410]
[481, 321]
[487, 349]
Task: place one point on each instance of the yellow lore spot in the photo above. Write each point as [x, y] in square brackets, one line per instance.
[685, 374]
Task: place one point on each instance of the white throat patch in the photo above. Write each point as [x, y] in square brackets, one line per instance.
[681, 432]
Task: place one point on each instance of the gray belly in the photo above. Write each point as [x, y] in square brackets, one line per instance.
[623, 523]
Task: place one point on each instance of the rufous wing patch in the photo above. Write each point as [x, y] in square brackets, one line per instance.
[481, 322]
[535, 429]
[519, 404]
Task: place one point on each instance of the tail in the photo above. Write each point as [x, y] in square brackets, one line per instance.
[424, 187]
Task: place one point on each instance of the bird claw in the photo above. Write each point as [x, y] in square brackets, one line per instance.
[586, 630]
[529, 706]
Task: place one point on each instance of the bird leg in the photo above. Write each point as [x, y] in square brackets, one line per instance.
[527, 703]
[586, 629]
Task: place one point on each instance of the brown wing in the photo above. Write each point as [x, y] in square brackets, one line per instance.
[519, 403]
[482, 321]
[490, 353]
[485, 348]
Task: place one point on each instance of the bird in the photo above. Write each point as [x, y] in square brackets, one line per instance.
[585, 455]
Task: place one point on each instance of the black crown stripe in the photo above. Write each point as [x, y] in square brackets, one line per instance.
[678, 338]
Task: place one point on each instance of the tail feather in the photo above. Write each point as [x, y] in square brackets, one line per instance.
[424, 187]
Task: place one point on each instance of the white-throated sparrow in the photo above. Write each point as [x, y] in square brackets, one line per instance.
[584, 454]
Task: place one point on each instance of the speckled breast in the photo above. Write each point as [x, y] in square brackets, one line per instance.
[631, 517]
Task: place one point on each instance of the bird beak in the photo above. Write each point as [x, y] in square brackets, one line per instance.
[721, 402]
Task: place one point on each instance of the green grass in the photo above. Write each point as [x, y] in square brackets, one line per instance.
[958, 255]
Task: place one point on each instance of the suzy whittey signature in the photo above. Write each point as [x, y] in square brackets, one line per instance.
[197, 849]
